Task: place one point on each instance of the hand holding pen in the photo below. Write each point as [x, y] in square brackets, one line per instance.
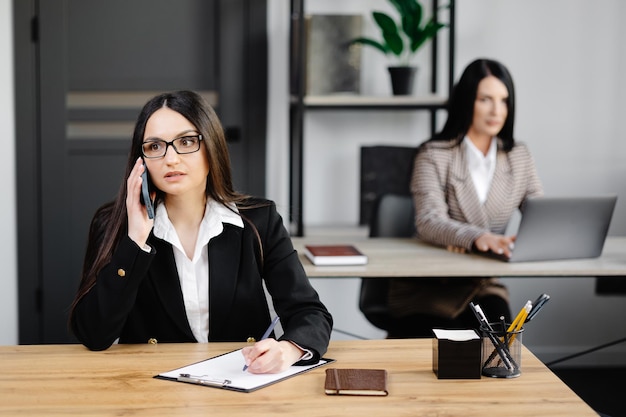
[265, 336]
[269, 356]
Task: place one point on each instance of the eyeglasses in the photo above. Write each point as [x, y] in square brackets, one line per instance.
[157, 148]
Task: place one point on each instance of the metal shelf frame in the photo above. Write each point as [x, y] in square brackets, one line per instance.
[300, 103]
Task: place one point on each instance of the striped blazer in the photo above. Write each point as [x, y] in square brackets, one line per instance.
[448, 213]
[447, 208]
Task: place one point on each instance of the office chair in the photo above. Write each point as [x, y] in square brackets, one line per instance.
[392, 216]
[385, 169]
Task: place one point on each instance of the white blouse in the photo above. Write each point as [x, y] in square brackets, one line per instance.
[194, 273]
[481, 167]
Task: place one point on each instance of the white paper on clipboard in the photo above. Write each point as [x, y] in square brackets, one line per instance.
[226, 371]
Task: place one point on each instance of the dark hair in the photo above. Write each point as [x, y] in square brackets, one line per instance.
[109, 224]
[461, 102]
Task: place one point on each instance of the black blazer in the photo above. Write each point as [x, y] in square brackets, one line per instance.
[137, 296]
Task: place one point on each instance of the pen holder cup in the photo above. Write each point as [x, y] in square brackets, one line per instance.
[502, 351]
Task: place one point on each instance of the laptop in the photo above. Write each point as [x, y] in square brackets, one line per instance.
[555, 228]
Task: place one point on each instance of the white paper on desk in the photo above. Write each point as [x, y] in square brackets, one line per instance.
[456, 335]
[229, 366]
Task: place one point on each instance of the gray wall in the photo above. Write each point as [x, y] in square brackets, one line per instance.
[569, 83]
[567, 58]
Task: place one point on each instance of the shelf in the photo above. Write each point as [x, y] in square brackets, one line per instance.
[299, 102]
[360, 102]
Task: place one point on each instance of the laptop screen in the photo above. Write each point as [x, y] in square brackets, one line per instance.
[553, 228]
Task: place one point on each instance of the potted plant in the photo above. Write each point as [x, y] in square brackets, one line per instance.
[402, 40]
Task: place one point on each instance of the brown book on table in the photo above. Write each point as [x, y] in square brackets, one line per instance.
[356, 382]
[334, 255]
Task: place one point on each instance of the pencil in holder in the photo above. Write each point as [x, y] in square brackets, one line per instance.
[502, 351]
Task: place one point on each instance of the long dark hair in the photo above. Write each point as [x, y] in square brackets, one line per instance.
[110, 223]
[461, 102]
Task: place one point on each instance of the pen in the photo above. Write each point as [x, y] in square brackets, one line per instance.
[525, 311]
[540, 302]
[502, 351]
[516, 326]
[522, 319]
[480, 315]
[266, 334]
[521, 316]
[483, 317]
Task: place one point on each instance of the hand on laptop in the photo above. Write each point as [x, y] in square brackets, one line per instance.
[500, 244]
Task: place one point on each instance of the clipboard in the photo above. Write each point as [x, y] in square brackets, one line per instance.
[225, 372]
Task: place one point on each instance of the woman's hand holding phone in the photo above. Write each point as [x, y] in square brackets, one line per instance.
[139, 221]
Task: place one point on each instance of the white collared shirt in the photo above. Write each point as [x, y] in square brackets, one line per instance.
[194, 273]
[481, 167]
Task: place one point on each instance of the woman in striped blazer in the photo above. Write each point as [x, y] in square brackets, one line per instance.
[467, 181]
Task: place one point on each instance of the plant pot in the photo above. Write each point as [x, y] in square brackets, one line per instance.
[402, 80]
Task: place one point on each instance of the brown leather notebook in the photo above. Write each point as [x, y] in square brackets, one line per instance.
[356, 382]
[334, 255]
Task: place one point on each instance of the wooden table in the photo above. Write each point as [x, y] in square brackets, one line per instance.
[68, 380]
[397, 257]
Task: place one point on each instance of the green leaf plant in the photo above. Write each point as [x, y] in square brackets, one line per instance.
[402, 39]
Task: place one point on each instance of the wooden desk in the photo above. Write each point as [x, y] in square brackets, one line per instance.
[70, 380]
[389, 257]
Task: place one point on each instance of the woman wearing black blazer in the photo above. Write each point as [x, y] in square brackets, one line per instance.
[195, 272]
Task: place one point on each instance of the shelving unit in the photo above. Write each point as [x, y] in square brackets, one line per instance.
[300, 103]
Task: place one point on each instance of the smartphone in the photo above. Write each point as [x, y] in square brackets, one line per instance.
[145, 194]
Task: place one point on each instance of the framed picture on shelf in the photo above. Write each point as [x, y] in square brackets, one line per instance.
[333, 66]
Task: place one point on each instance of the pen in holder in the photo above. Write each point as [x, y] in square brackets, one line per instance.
[502, 351]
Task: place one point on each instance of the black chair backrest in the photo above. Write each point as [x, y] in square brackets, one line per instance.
[392, 216]
[385, 169]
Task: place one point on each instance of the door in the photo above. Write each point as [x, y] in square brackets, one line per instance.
[88, 68]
